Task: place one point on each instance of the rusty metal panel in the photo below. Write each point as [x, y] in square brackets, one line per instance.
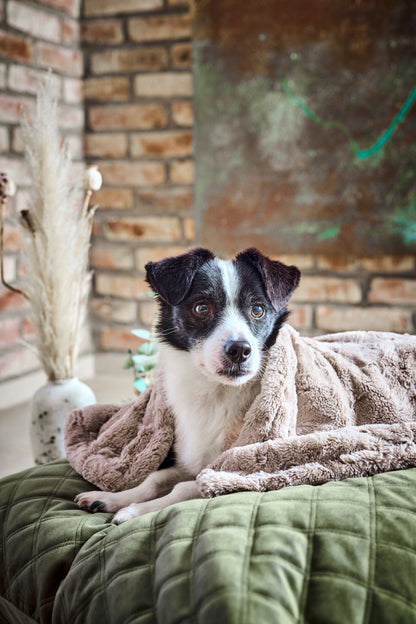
[306, 125]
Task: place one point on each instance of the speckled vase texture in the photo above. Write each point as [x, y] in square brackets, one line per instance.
[51, 405]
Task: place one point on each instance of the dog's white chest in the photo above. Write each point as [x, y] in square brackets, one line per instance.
[204, 413]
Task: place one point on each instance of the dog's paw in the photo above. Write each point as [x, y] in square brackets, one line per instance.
[97, 501]
[127, 513]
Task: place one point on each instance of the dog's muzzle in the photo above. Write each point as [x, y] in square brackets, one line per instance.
[237, 351]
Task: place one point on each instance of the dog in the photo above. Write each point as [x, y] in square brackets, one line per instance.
[217, 319]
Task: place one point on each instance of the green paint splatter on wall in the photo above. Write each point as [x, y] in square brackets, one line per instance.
[363, 154]
[403, 222]
[331, 233]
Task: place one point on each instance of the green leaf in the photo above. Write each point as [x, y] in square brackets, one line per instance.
[141, 333]
[149, 348]
[144, 359]
[140, 384]
[128, 363]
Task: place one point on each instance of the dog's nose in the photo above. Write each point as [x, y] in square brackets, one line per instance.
[237, 351]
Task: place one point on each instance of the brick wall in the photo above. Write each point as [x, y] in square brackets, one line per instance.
[139, 117]
[33, 37]
[139, 129]
[368, 293]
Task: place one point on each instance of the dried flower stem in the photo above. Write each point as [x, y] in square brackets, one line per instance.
[86, 203]
[3, 280]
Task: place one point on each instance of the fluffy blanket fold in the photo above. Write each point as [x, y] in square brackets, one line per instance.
[329, 408]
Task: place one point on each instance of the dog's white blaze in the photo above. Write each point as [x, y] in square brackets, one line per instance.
[230, 280]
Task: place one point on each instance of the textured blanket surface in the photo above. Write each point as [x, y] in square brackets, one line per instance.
[329, 408]
[340, 553]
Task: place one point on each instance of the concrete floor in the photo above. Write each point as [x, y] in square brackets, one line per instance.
[111, 384]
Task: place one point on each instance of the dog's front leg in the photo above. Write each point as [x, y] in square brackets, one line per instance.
[155, 485]
[183, 491]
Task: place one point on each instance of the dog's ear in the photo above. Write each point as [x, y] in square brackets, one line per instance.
[171, 278]
[280, 280]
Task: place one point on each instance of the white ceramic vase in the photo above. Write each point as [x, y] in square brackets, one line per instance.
[51, 405]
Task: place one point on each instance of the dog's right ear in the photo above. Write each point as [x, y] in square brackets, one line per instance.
[171, 278]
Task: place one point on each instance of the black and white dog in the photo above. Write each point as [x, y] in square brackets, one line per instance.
[217, 319]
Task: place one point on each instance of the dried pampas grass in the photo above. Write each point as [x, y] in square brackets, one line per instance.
[57, 235]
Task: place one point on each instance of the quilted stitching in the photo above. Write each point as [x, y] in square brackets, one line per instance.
[339, 553]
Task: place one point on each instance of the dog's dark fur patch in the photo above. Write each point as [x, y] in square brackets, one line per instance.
[182, 282]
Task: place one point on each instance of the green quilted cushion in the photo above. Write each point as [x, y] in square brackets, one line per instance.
[342, 552]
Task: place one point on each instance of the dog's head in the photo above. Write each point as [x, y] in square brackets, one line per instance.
[226, 314]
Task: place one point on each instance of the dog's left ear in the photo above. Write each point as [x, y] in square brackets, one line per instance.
[172, 278]
[280, 280]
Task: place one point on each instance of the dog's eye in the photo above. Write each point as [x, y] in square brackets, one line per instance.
[257, 311]
[202, 309]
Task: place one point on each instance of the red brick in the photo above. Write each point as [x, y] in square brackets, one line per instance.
[17, 48]
[344, 318]
[181, 55]
[182, 171]
[129, 116]
[73, 90]
[189, 229]
[17, 140]
[183, 113]
[111, 88]
[110, 7]
[102, 32]
[117, 311]
[117, 198]
[71, 117]
[9, 267]
[147, 312]
[328, 289]
[301, 261]
[2, 76]
[25, 80]
[169, 199]
[111, 257]
[11, 108]
[160, 27]
[11, 301]
[16, 363]
[13, 238]
[60, 59]
[70, 6]
[33, 21]
[4, 139]
[76, 146]
[149, 229]
[165, 84]
[161, 144]
[301, 316]
[389, 264]
[341, 264]
[134, 173]
[393, 291]
[154, 254]
[122, 286]
[118, 339]
[28, 329]
[70, 32]
[106, 145]
[128, 61]
[16, 169]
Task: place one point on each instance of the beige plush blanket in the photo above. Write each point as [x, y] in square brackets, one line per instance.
[329, 408]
